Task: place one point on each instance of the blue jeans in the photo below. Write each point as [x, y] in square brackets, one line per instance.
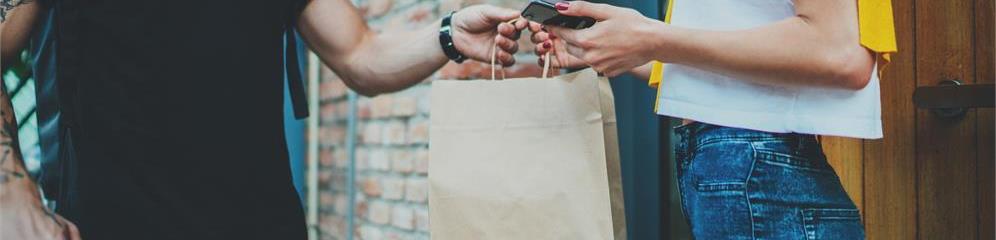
[745, 184]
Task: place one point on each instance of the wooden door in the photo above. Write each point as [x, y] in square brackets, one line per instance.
[930, 177]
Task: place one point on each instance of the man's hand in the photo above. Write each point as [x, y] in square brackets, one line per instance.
[619, 42]
[22, 216]
[478, 28]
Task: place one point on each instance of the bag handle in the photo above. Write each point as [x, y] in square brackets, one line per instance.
[494, 67]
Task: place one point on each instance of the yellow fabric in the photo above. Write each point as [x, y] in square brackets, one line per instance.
[877, 30]
[658, 70]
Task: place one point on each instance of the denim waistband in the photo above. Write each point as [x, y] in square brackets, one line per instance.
[696, 134]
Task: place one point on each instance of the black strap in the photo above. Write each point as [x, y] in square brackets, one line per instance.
[294, 81]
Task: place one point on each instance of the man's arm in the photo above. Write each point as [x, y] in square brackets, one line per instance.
[372, 63]
[22, 215]
[18, 18]
[817, 47]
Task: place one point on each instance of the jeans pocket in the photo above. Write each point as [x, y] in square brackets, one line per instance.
[793, 161]
[842, 224]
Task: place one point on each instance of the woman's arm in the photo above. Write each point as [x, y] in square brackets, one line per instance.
[817, 47]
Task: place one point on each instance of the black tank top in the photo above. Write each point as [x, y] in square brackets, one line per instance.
[175, 112]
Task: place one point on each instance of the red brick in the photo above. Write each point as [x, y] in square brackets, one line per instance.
[362, 209]
[395, 133]
[422, 161]
[377, 8]
[380, 213]
[332, 226]
[332, 89]
[405, 106]
[424, 101]
[326, 200]
[394, 188]
[416, 190]
[327, 112]
[325, 158]
[403, 218]
[326, 74]
[419, 131]
[363, 108]
[402, 161]
[422, 220]
[362, 158]
[380, 159]
[341, 203]
[371, 187]
[331, 135]
[413, 17]
[447, 6]
[381, 106]
[371, 133]
[367, 232]
[325, 177]
[339, 154]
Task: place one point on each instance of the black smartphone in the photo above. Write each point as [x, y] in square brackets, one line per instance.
[544, 11]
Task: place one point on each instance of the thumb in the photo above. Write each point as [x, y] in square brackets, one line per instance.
[584, 9]
[496, 15]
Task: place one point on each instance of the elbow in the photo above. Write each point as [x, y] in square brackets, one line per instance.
[849, 69]
[364, 88]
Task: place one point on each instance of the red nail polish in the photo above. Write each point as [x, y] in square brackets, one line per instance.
[561, 6]
[547, 45]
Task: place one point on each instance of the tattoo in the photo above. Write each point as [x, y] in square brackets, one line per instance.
[11, 164]
[7, 5]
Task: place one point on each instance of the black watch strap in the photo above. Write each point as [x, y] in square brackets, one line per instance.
[446, 40]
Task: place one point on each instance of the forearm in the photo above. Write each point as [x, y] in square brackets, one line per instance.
[393, 61]
[368, 62]
[15, 28]
[789, 52]
[14, 178]
[642, 72]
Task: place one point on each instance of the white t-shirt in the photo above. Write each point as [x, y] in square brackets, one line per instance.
[690, 93]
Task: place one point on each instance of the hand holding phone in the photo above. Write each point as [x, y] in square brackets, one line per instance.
[545, 12]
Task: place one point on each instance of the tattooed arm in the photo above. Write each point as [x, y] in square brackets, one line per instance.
[22, 215]
[17, 17]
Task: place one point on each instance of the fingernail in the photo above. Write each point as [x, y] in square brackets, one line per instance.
[547, 45]
[561, 6]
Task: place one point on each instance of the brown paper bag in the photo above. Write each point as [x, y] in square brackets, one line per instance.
[525, 159]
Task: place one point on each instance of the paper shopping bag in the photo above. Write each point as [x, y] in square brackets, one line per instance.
[525, 158]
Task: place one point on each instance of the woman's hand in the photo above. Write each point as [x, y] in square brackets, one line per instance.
[546, 42]
[622, 38]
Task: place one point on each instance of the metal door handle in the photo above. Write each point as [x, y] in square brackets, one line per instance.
[952, 99]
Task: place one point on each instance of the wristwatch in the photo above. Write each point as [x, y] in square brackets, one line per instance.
[446, 40]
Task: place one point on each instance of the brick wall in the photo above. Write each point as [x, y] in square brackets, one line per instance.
[392, 135]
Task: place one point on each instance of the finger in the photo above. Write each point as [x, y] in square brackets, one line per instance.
[535, 27]
[555, 64]
[521, 24]
[597, 11]
[506, 29]
[542, 48]
[506, 44]
[72, 232]
[498, 15]
[576, 51]
[539, 37]
[570, 35]
[506, 58]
